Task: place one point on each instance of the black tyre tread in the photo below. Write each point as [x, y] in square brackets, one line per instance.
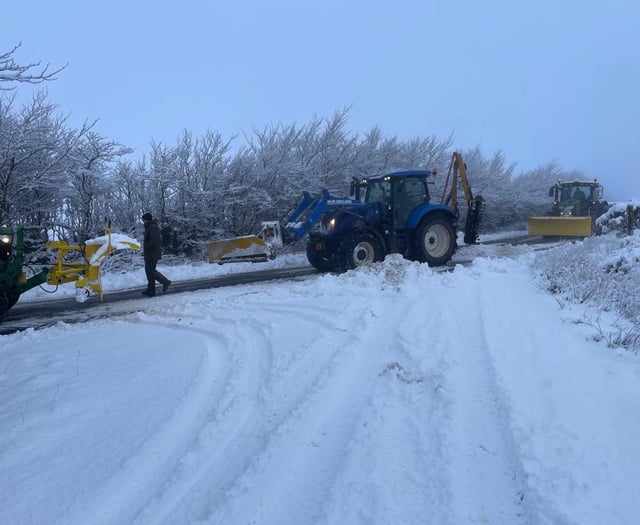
[318, 261]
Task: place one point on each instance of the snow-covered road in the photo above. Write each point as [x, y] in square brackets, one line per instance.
[393, 394]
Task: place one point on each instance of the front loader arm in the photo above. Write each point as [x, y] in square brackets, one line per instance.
[310, 210]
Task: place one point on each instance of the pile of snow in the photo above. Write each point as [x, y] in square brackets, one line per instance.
[107, 244]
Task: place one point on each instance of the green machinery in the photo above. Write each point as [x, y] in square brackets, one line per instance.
[78, 263]
[576, 205]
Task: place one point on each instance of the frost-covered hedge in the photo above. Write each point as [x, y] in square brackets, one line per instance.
[603, 271]
[622, 217]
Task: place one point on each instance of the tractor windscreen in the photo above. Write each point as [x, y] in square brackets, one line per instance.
[378, 191]
[576, 192]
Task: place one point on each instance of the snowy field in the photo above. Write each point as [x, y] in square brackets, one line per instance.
[392, 394]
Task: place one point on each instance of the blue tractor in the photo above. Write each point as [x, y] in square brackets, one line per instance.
[392, 213]
[387, 213]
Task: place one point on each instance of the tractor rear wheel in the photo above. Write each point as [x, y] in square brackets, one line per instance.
[435, 241]
[359, 250]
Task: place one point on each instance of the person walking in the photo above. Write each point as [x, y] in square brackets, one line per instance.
[152, 253]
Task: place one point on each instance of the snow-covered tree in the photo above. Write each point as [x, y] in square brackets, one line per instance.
[35, 148]
[87, 197]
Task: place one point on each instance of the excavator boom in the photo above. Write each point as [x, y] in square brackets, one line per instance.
[457, 174]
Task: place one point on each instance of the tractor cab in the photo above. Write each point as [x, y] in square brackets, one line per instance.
[398, 194]
[576, 198]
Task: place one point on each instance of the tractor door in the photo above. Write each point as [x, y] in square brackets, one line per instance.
[408, 193]
[379, 191]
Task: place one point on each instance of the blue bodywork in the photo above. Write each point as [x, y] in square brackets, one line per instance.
[309, 212]
[386, 210]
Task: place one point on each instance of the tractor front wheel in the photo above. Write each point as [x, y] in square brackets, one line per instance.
[435, 241]
[359, 250]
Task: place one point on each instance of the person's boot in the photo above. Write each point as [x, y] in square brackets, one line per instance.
[165, 286]
[149, 293]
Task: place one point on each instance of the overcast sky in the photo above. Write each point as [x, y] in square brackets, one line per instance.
[540, 80]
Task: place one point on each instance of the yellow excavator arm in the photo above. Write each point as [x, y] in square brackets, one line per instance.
[457, 174]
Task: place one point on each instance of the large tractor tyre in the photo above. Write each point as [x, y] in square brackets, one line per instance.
[13, 298]
[4, 303]
[319, 261]
[435, 241]
[7, 299]
[359, 250]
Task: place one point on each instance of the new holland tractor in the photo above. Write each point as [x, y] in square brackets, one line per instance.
[386, 213]
[73, 263]
[576, 205]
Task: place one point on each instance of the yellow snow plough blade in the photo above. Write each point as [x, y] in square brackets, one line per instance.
[560, 226]
[249, 248]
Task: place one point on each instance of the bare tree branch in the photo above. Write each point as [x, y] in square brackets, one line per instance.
[30, 73]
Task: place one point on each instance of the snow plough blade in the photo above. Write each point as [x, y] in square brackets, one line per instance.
[249, 248]
[560, 226]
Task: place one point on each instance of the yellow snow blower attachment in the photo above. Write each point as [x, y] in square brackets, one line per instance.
[249, 248]
[86, 271]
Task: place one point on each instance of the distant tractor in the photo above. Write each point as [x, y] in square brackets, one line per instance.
[386, 213]
[576, 205]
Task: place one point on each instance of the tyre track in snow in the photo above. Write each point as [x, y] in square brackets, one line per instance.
[142, 475]
[222, 441]
[540, 509]
[402, 431]
[236, 434]
[486, 469]
[283, 425]
[290, 480]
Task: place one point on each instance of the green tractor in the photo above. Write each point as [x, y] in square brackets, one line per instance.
[576, 205]
[13, 279]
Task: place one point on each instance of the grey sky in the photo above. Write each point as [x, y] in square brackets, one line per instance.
[541, 81]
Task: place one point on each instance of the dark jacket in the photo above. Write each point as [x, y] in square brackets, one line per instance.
[152, 241]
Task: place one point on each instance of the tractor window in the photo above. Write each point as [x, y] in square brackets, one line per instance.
[577, 192]
[415, 192]
[409, 193]
[378, 191]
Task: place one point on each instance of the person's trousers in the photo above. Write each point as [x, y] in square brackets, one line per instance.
[153, 275]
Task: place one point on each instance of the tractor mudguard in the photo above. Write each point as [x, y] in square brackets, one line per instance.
[416, 215]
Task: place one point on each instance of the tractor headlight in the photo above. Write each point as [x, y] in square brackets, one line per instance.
[566, 212]
[6, 238]
[6, 245]
[324, 226]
